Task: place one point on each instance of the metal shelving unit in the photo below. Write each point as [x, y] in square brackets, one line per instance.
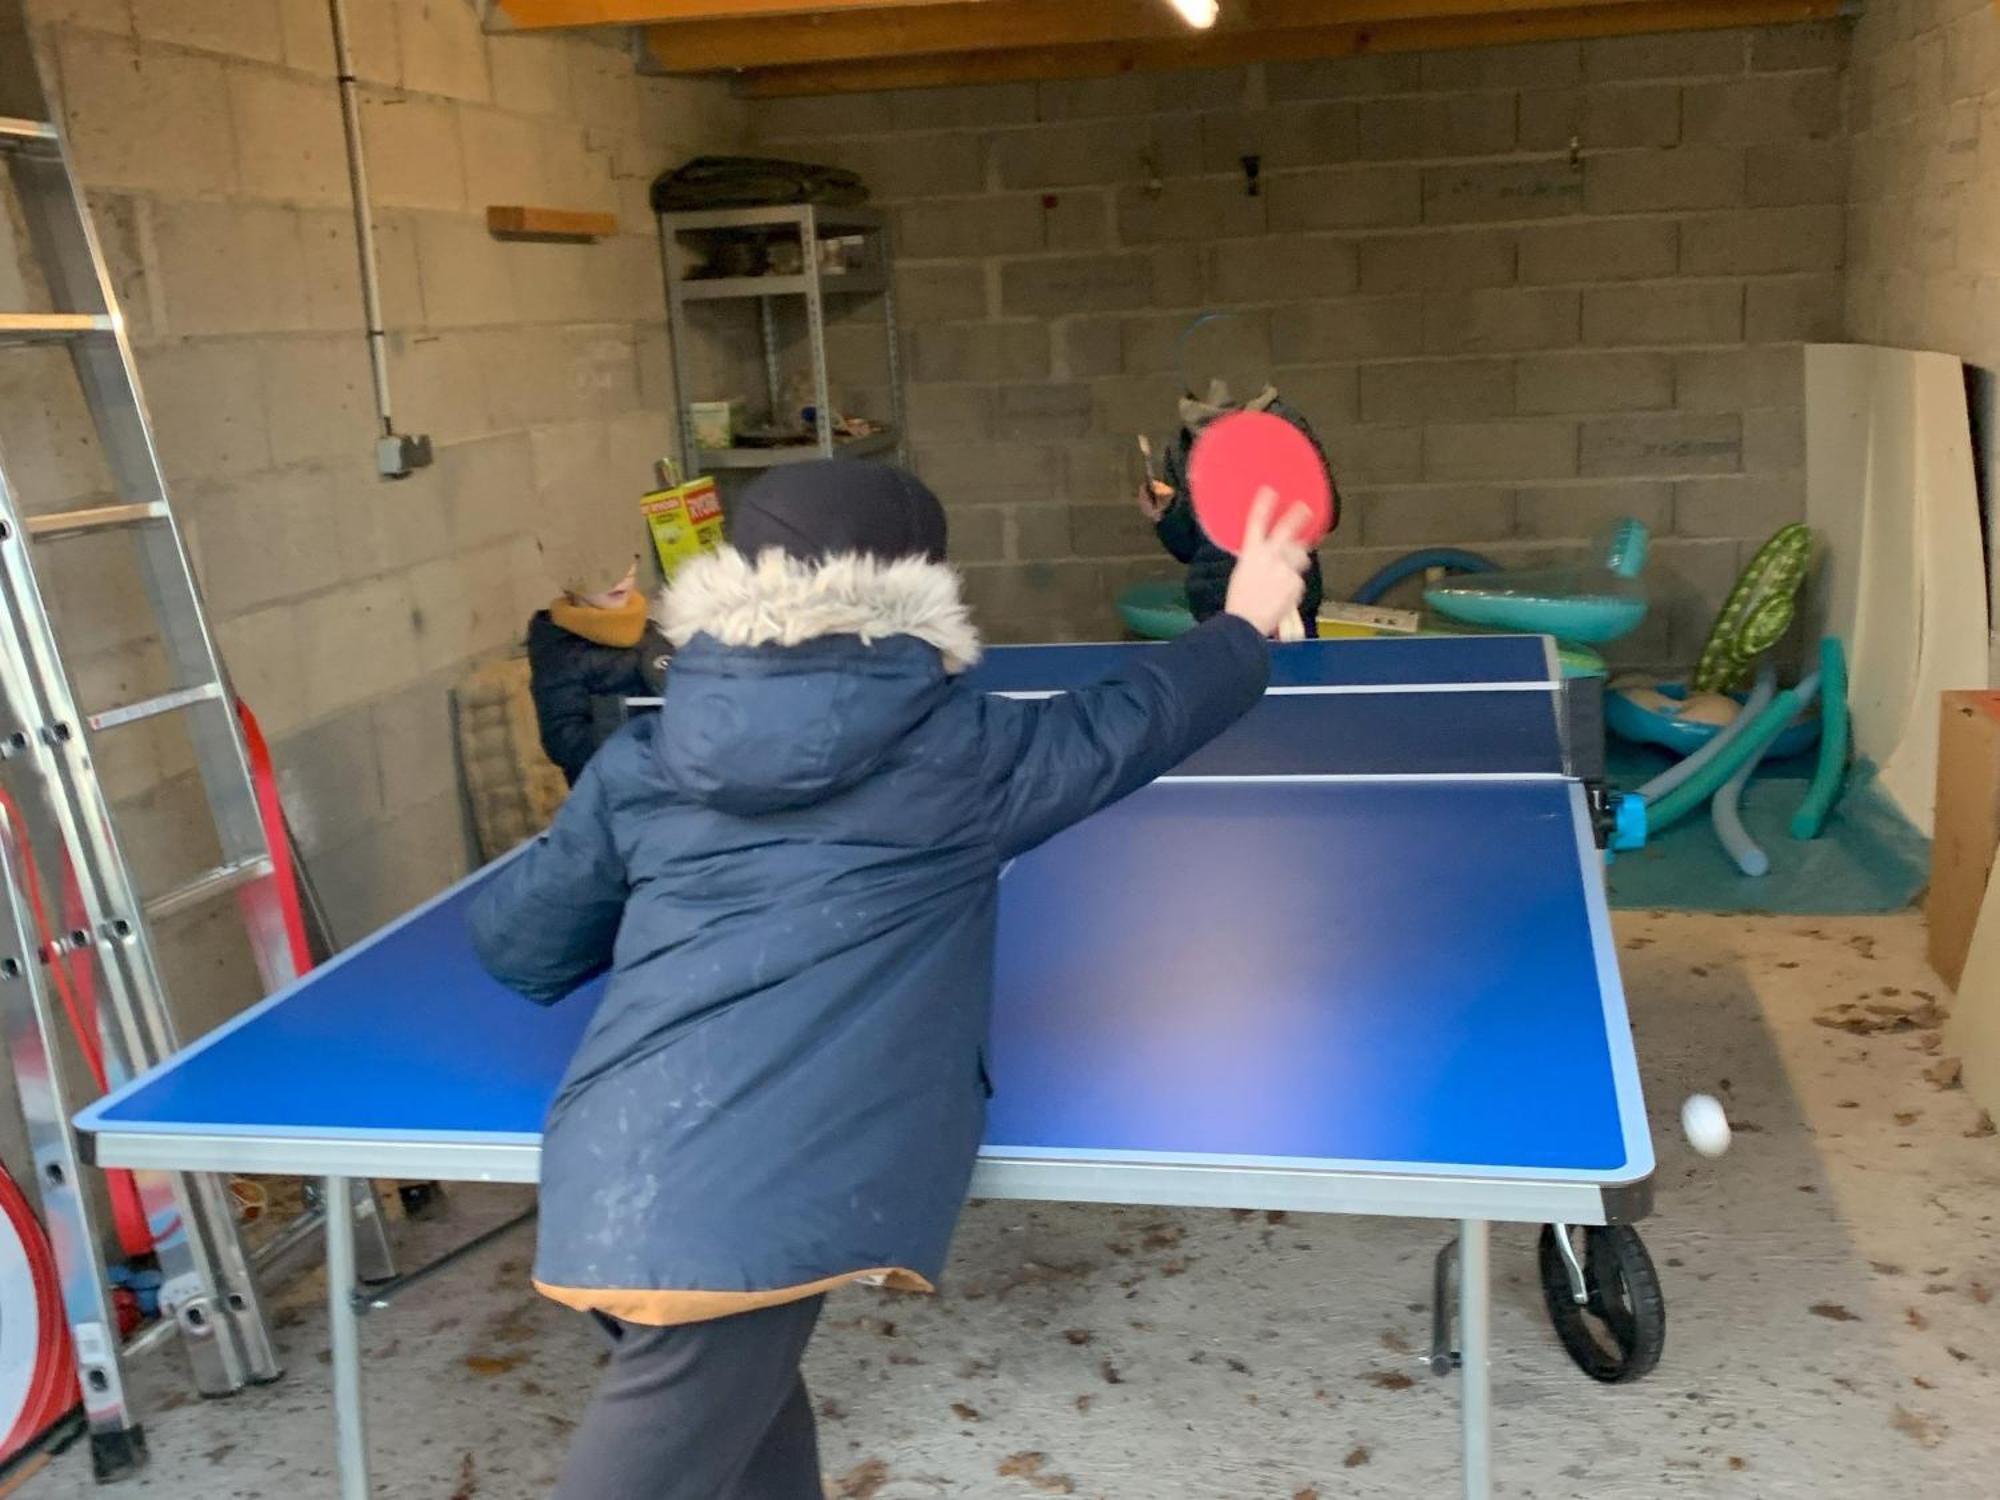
[813, 283]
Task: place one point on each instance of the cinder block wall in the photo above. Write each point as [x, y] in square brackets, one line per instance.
[210, 136]
[1924, 210]
[1519, 291]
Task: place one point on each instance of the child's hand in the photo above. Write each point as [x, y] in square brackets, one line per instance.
[1154, 498]
[1268, 582]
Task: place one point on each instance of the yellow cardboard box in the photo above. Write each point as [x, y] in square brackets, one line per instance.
[685, 521]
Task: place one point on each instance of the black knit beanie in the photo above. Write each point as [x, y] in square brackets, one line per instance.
[834, 506]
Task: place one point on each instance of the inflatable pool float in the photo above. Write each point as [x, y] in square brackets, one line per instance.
[1156, 609]
[1650, 716]
[1603, 601]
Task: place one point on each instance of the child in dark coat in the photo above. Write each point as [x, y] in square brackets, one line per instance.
[587, 652]
[792, 875]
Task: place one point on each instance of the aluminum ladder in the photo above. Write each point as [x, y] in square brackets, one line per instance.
[209, 1291]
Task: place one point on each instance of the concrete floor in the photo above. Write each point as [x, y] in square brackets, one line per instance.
[1829, 1285]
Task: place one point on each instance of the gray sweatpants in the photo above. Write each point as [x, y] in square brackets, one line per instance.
[702, 1411]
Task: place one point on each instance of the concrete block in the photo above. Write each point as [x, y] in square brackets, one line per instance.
[1613, 117]
[941, 293]
[1774, 440]
[227, 267]
[488, 486]
[1076, 219]
[1354, 328]
[802, 119]
[319, 397]
[1663, 313]
[264, 540]
[602, 84]
[1435, 389]
[569, 158]
[1328, 394]
[1494, 191]
[1039, 533]
[978, 534]
[529, 72]
[1437, 260]
[979, 351]
[524, 375]
[414, 156]
[1101, 469]
[1500, 450]
[1344, 77]
[1194, 208]
[551, 282]
[382, 872]
[197, 435]
[1739, 505]
[1063, 99]
[1788, 49]
[46, 432]
[1070, 284]
[414, 745]
[971, 472]
[396, 255]
[1415, 129]
[1433, 514]
[1806, 309]
[1089, 347]
[503, 159]
[1112, 531]
[1285, 136]
[1571, 512]
[1372, 454]
[1752, 111]
[1178, 271]
[238, 28]
[1501, 320]
[1764, 241]
[1600, 250]
[188, 145]
[939, 414]
[1580, 383]
[1637, 182]
[962, 108]
[465, 272]
[1042, 412]
[1236, 347]
[1529, 65]
[305, 37]
[331, 270]
[1094, 151]
[440, 382]
[1134, 404]
[260, 650]
[1692, 54]
[1283, 268]
[289, 137]
[1663, 445]
[442, 49]
[963, 228]
[356, 643]
[1346, 198]
[386, 527]
[1726, 380]
[125, 234]
[330, 776]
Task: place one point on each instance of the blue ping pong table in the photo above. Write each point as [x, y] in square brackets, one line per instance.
[1395, 993]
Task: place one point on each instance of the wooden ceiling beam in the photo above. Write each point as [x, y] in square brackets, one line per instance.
[998, 25]
[536, 15]
[1233, 48]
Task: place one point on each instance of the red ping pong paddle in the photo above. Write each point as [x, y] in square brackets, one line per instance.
[1238, 456]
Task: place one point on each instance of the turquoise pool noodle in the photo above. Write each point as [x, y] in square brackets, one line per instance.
[1698, 788]
[1727, 809]
[1832, 769]
[1765, 689]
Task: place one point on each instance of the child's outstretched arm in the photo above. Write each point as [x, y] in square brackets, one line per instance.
[546, 922]
[1052, 762]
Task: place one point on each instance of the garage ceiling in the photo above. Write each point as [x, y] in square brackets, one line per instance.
[833, 46]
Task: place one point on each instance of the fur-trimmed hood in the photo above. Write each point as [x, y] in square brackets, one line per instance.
[795, 681]
[779, 600]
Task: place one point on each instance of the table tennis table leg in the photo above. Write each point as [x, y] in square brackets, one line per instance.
[344, 1325]
[1475, 1394]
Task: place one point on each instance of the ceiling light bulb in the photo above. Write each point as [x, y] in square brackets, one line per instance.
[1199, 14]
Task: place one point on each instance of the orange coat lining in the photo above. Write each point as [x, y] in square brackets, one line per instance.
[665, 1309]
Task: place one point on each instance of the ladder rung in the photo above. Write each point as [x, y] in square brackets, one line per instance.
[204, 888]
[43, 328]
[16, 133]
[97, 518]
[147, 708]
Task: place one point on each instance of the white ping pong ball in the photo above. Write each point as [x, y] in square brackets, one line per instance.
[1705, 1125]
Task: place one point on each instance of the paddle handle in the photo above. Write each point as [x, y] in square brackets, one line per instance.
[1292, 627]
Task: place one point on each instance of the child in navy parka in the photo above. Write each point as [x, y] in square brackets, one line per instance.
[792, 875]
